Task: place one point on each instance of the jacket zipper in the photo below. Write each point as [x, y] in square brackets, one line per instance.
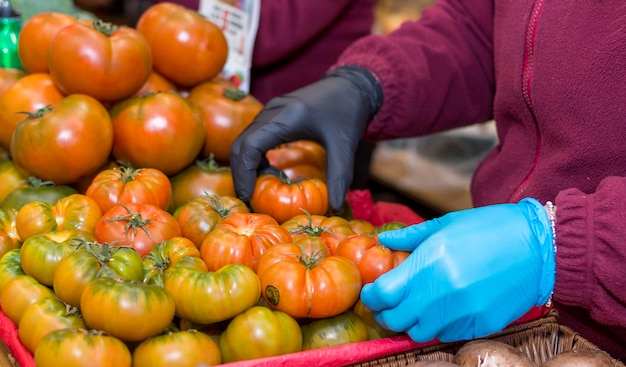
[527, 68]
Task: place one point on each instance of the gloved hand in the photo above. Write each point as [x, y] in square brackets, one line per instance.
[470, 273]
[333, 111]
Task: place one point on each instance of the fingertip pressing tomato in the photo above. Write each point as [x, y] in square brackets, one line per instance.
[35, 38]
[27, 95]
[100, 59]
[65, 142]
[260, 332]
[226, 112]
[283, 198]
[173, 30]
[162, 130]
[130, 185]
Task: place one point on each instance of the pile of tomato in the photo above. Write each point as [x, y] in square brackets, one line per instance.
[122, 241]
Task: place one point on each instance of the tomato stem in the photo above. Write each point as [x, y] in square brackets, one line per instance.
[105, 28]
[234, 94]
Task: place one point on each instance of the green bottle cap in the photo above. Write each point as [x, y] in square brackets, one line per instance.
[10, 27]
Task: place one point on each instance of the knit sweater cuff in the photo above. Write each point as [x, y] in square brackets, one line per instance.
[574, 212]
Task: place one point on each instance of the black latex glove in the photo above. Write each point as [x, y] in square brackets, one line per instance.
[333, 111]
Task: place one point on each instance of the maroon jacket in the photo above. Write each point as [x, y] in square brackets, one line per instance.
[553, 76]
[298, 40]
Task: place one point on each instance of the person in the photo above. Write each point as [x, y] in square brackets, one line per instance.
[549, 201]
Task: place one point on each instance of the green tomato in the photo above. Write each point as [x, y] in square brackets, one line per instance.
[35, 189]
[344, 328]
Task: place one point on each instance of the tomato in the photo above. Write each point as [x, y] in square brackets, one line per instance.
[44, 316]
[181, 349]
[99, 59]
[80, 347]
[165, 255]
[330, 229]
[155, 83]
[202, 214]
[372, 258]
[390, 226]
[362, 226]
[19, 293]
[9, 238]
[83, 183]
[75, 211]
[130, 311]
[10, 267]
[226, 113]
[205, 177]
[314, 286]
[170, 127]
[35, 38]
[283, 198]
[374, 330]
[27, 95]
[90, 260]
[241, 238]
[187, 48]
[208, 297]
[301, 158]
[10, 178]
[65, 142]
[8, 76]
[130, 185]
[345, 328]
[140, 226]
[40, 254]
[260, 332]
[34, 189]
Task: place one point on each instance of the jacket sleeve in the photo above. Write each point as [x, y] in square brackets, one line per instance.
[591, 233]
[285, 26]
[437, 73]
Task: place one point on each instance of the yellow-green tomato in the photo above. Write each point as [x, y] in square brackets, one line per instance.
[130, 311]
[190, 348]
[345, 328]
[260, 332]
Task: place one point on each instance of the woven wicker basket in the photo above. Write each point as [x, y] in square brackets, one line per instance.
[541, 340]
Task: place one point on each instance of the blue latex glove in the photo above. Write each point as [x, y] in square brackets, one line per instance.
[470, 273]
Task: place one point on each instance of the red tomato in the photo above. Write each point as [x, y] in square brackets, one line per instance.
[170, 127]
[283, 198]
[75, 211]
[208, 297]
[41, 253]
[372, 258]
[181, 348]
[156, 83]
[28, 94]
[35, 38]
[130, 185]
[186, 47]
[65, 142]
[131, 311]
[315, 286]
[226, 112]
[330, 229]
[298, 159]
[44, 316]
[80, 347]
[99, 59]
[205, 177]
[241, 238]
[201, 215]
[260, 332]
[140, 226]
[90, 260]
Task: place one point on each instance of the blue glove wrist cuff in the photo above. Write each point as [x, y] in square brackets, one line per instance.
[544, 228]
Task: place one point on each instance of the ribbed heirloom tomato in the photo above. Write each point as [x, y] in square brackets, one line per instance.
[100, 59]
[10, 266]
[62, 143]
[186, 47]
[9, 238]
[301, 158]
[331, 230]
[177, 348]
